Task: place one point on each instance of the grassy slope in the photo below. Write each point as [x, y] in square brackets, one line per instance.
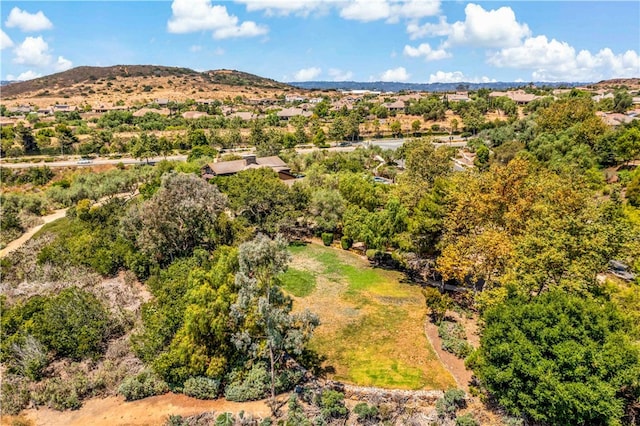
[372, 324]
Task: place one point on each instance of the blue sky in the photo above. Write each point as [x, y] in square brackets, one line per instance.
[364, 40]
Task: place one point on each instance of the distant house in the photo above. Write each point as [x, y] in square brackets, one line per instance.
[21, 109]
[244, 115]
[192, 115]
[397, 106]
[142, 111]
[162, 102]
[458, 97]
[615, 119]
[518, 96]
[227, 168]
[288, 113]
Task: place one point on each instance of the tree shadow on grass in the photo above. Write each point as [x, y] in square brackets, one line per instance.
[312, 361]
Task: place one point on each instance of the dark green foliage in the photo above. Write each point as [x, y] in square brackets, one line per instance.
[74, 323]
[346, 242]
[332, 404]
[366, 413]
[141, 386]
[259, 196]
[452, 401]
[201, 387]
[559, 359]
[327, 238]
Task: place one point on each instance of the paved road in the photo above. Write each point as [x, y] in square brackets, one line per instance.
[96, 162]
[391, 144]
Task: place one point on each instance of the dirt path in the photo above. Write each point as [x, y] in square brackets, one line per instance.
[112, 411]
[455, 365]
[17, 243]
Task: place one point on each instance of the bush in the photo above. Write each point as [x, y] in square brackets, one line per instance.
[74, 323]
[327, 238]
[248, 385]
[201, 388]
[365, 412]
[14, 395]
[346, 242]
[332, 404]
[30, 357]
[466, 420]
[141, 386]
[454, 339]
[452, 400]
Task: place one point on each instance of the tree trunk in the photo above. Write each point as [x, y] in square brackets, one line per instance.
[273, 380]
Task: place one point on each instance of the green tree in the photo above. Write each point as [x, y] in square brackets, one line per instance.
[622, 101]
[396, 128]
[181, 216]
[559, 359]
[24, 138]
[145, 146]
[265, 326]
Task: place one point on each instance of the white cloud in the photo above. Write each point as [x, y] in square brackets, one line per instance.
[426, 51]
[339, 75]
[28, 22]
[5, 41]
[33, 51]
[553, 60]
[457, 77]
[62, 64]
[360, 10]
[391, 10]
[395, 74]
[200, 15]
[27, 75]
[492, 28]
[195, 48]
[286, 7]
[307, 74]
[219, 51]
[481, 28]
[246, 29]
[442, 28]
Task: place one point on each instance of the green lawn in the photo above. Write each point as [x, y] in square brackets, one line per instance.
[372, 330]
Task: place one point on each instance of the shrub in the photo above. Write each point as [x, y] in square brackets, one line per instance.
[332, 404]
[365, 412]
[466, 420]
[141, 386]
[30, 357]
[454, 339]
[327, 238]
[201, 387]
[346, 242]
[175, 420]
[452, 400]
[248, 385]
[14, 395]
[73, 323]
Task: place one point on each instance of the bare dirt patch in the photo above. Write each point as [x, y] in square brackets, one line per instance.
[112, 411]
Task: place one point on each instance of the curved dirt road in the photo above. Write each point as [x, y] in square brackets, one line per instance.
[17, 243]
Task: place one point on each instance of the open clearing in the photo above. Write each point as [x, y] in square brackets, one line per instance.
[372, 324]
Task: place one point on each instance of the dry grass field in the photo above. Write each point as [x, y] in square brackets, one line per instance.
[372, 322]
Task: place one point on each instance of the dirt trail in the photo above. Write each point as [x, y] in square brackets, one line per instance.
[112, 411]
[17, 243]
[455, 365]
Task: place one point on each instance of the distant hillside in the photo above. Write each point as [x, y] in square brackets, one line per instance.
[73, 81]
[384, 86]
